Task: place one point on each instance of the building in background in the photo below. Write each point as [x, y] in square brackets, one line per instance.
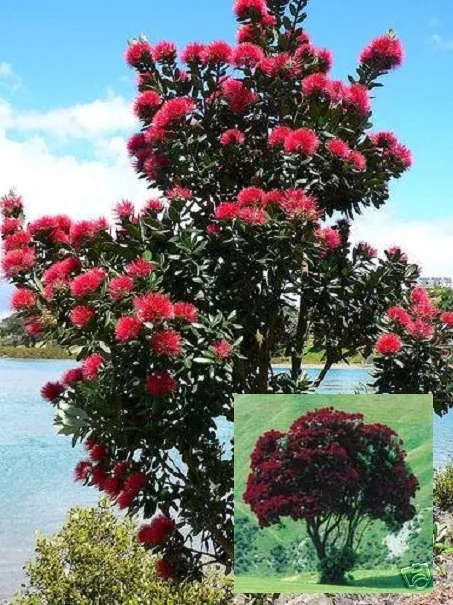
[436, 282]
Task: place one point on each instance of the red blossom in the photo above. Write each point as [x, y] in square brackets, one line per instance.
[325, 59]
[329, 238]
[11, 205]
[10, 225]
[232, 137]
[135, 482]
[83, 232]
[96, 451]
[165, 569]
[167, 343]
[72, 376]
[250, 196]
[42, 225]
[140, 51]
[186, 311]
[399, 315]
[136, 143]
[401, 155]
[120, 468]
[383, 140]
[193, 52]
[383, 53]
[447, 318]
[302, 141]
[388, 344]
[297, 203]
[420, 329]
[164, 51]
[316, 84]
[153, 307]
[146, 104]
[19, 239]
[140, 268]
[396, 251]
[279, 65]
[98, 476]
[82, 315]
[91, 366]
[178, 192]
[279, 135]
[127, 328]
[245, 9]
[339, 148]
[61, 270]
[124, 210]
[153, 205]
[247, 55]
[160, 384]
[120, 286]
[34, 327]
[112, 486]
[22, 299]
[222, 349]
[18, 261]
[157, 531]
[216, 52]
[226, 211]
[238, 96]
[358, 160]
[82, 470]
[52, 391]
[87, 283]
[253, 216]
[249, 32]
[358, 97]
[419, 296]
[173, 110]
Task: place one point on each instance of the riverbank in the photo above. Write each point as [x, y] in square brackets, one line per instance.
[23, 352]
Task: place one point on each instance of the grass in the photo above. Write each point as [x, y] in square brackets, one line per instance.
[410, 416]
[365, 581]
[314, 355]
[22, 352]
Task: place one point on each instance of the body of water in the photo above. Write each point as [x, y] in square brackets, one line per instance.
[36, 486]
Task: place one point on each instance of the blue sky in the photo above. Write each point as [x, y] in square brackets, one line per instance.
[65, 91]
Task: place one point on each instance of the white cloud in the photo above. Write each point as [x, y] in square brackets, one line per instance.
[8, 77]
[441, 43]
[425, 242]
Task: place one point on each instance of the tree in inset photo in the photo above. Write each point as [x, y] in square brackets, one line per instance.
[337, 474]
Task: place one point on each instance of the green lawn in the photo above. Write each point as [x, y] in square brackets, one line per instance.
[410, 416]
[365, 581]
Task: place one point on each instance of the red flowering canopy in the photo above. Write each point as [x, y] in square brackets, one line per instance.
[334, 472]
[249, 151]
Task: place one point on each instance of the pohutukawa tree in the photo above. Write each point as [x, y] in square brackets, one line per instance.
[338, 475]
[249, 152]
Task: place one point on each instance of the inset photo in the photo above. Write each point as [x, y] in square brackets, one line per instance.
[333, 494]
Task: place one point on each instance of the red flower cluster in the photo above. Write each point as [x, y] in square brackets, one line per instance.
[139, 268]
[91, 366]
[157, 531]
[383, 53]
[173, 110]
[232, 137]
[18, 261]
[250, 9]
[52, 391]
[87, 283]
[247, 55]
[167, 343]
[215, 53]
[127, 328]
[238, 96]
[329, 238]
[341, 149]
[165, 569]
[140, 51]
[185, 311]
[72, 376]
[153, 307]
[132, 486]
[222, 349]
[23, 299]
[303, 141]
[82, 315]
[389, 344]
[119, 287]
[160, 384]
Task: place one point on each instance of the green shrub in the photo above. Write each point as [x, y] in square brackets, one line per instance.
[96, 559]
[443, 487]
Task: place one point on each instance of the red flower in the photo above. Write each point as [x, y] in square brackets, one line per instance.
[402, 155]
[45, 224]
[447, 318]
[146, 104]
[420, 329]
[84, 231]
[10, 225]
[127, 328]
[19, 261]
[23, 298]
[135, 482]
[193, 52]
[124, 210]
[238, 96]
[88, 282]
[167, 342]
[19, 239]
[222, 349]
[164, 51]
[91, 366]
[329, 238]
[72, 376]
[232, 137]
[34, 328]
[11, 205]
[160, 384]
[173, 110]
[82, 315]
[119, 287]
[179, 193]
[399, 315]
[279, 65]
[339, 148]
[138, 52]
[136, 143]
[139, 268]
[52, 391]
[186, 311]
[296, 203]
[253, 216]
[325, 59]
[279, 135]
[358, 97]
[396, 251]
[96, 451]
[81, 471]
[247, 55]
[388, 344]
[164, 567]
[226, 211]
[358, 160]
[250, 196]
[120, 468]
[216, 52]
[316, 84]
[213, 230]
[61, 270]
[157, 531]
[153, 205]
[112, 486]
[383, 140]
[153, 307]
[383, 53]
[98, 476]
[245, 9]
[419, 296]
[302, 141]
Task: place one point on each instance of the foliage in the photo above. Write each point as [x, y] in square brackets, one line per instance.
[443, 298]
[443, 487]
[414, 350]
[96, 558]
[337, 474]
[176, 307]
